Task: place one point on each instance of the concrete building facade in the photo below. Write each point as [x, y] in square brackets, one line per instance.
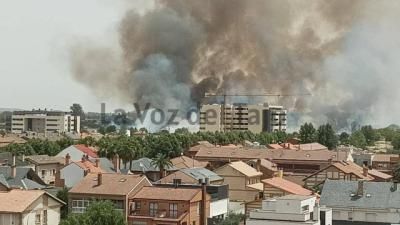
[43, 121]
[291, 209]
[243, 117]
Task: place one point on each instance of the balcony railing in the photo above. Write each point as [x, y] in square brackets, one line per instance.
[159, 214]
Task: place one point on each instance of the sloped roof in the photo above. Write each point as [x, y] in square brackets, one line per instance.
[376, 195]
[245, 169]
[22, 179]
[89, 166]
[267, 164]
[87, 150]
[7, 157]
[202, 173]
[186, 162]
[287, 186]
[145, 165]
[257, 186]
[6, 140]
[112, 184]
[273, 154]
[45, 159]
[352, 168]
[167, 193]
[17, 201]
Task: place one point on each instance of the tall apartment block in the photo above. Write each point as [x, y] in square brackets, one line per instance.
[43, 121]
[243, 117]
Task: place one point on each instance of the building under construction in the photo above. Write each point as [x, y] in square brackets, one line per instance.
[242, 117]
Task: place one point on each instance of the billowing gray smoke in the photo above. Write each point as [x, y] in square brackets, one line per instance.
[173, 53]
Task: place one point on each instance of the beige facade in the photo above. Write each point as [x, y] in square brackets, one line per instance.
[242, 117]
[44, 122]
[238, 184]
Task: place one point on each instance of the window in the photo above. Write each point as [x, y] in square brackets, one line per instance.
[138, 205]
[305, 208]
[43, 173]
[45, 217]
[198, 208]
[79, 206]
[153, 208]
[38, 219]
[173, 210]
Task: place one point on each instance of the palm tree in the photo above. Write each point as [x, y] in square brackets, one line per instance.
[162, 162]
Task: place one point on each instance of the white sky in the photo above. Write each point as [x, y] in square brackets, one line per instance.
[34, 40]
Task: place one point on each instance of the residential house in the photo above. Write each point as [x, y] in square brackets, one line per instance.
[266, 167]
[308, 147]
[385, 163]
[117, 188]
[363, 158]
[147, 167]
[362, 202]
[169, 205]
[290, 160]
[183, 162]
[29, 207]
[73, 172]
[244, 181]
[46, 166]
[10, 139]
[192, 151]
[6, 159]
[192, 176]
[276, 187]
[76, 152]
[291, 210]
[344, 171]
[20, 177]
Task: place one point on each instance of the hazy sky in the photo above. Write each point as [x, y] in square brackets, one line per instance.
[34, 40]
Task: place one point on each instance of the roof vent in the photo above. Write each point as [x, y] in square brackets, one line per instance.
[122, 180]
[352, 195]
[368, 195]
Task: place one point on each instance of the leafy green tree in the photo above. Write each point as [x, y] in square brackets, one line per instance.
[87, 141]
[344, 138]
[358, 139]
[98, 213]
[396, 142]
[162, 162]
[307, 133]
[77, 110]
[326, 136]
[63, 195]
[2, 133]
[370, 134]
[111, 129]
[65, 142]
[232, 219]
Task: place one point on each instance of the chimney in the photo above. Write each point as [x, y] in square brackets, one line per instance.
[13, 167]
[97, 162]
[116, 163]
[360, 188]
[280, 173]
[203, 209]
[99, 179]
[83, 159]
[23, 157]
[258, 165]
[67, 158]
[365, 171]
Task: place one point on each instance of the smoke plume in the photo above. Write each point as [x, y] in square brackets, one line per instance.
[338, 51]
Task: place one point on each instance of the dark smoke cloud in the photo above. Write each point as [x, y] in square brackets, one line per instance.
[180, 49]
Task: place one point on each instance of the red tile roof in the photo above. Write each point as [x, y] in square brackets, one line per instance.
[182, 162]
[86, 150]
[287, 186]
[89, 166]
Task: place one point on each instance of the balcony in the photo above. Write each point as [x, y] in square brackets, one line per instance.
[161, 215]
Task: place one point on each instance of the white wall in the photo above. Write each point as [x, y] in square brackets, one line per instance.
[361, 215]
[6, 219]
[219, 207]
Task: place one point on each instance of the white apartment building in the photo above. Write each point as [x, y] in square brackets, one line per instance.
[243, 117]
[291, 210]
[362, 202]
[43, 121]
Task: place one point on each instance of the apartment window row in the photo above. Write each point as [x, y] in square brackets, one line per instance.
[153, 209]
[52, 125]
[17, 124]
[54, 120]
[18, 119]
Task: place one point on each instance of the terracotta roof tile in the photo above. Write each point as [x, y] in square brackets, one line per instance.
[183, 162]
[112, 184]
[166, 193]
[17, 201]
[86, 150]
[287, 186]
[89, 166]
